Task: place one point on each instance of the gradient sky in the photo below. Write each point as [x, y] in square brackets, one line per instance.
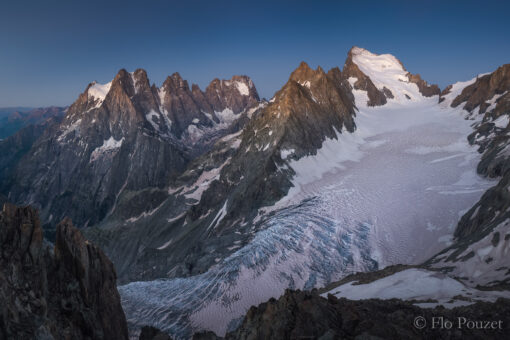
[50, 50]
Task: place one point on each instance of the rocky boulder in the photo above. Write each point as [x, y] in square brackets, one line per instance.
[483, 89]
[425, 89]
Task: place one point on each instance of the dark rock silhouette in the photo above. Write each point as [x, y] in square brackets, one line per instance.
[68, 292]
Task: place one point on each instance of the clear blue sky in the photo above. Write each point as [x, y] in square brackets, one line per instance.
[50, 50]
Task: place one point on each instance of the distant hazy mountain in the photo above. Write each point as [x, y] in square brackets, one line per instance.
[14, 119]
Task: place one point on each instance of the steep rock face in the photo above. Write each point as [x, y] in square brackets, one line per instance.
[223, 94]
[69, 292]
[119, 138]
[101, 147]
[195, 115]
[424, 87]
[179, 103]
[306, 111]
[484, 89]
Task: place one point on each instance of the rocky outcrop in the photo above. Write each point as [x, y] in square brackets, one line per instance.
[493, 208]
[223, 94]
[310, 108]
[446, 90]
[68, 292]
[489, 95]
[425, 89]
[190, 110]
[483, 89]
[487, 100]
[152, 333]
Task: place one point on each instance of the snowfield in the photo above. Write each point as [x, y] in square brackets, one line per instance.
[407, 171]
[416, 284]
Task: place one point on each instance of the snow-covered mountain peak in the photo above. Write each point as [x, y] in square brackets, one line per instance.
[378, 60]
[384, 79]
[386, 71]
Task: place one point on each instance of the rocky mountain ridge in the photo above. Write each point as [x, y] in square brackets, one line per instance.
[112, 132]
[250, 173]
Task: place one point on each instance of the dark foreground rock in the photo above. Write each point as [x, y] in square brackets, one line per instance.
[68, 292]
[152, 333]
[305, 315]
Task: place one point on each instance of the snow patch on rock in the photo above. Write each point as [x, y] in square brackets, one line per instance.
[242, 88]
[109, 146]
[416, 284]
[99, 92]
[502, 121]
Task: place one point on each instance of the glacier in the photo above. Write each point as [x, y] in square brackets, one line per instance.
[391, 192]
